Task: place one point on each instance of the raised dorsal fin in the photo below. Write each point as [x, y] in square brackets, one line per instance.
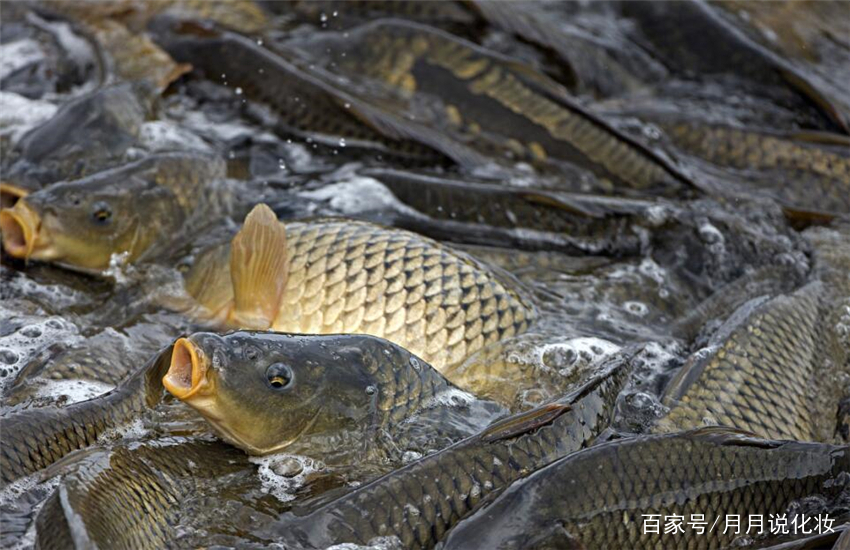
[258, 269]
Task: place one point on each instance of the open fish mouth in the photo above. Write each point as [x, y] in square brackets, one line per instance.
[9, 194]
[187, 374]
[20, 227]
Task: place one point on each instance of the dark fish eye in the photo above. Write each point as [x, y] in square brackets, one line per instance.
[101, 213]
[279, 376]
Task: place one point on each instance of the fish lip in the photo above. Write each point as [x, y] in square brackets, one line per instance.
[9, 190]
[187, 374]
[20, 227]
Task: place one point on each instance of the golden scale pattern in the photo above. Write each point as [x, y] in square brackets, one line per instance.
[760, 378]
[353, 277]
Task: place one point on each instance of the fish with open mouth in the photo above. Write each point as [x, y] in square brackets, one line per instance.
[81, 224]
[324, 396]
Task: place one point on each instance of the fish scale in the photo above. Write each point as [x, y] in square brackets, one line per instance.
[346, 276]
[35, 438]
[420, 502]
[712, 471]
[760, 379]
[806, 171]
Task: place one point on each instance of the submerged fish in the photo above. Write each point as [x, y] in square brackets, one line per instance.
[134, 210]
[600, 497]
[342, 276]
[422, 501]
[35, 438]
[86, 135]
[695, 38]
[316, 395]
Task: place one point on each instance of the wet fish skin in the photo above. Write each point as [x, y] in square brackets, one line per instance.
[346, 276]
[128, 497]
[773, 367]
[265, 392]
[692, 37]
[578, 223]
[493, 105]
[806, 172]
[422, 501]
[596, 498]
[307, 106]
[82, 223]
[85, 135]
[34, 439]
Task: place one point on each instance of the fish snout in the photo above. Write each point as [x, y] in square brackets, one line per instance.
[10, 194]
[19, 226]
[187, 374]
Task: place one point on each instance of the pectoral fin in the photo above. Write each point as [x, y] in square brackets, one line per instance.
[258, 269]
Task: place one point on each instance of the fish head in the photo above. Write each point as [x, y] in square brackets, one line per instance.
[264, 391]
[81, 224]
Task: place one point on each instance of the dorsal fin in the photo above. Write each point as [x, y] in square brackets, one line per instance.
[258, 269]
[724, 435]
[524, 422]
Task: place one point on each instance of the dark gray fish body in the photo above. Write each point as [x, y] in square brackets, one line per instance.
[597, 498]
[420, 502]
[36, 438]
[86, 135]
[305, 105]
[694, 38]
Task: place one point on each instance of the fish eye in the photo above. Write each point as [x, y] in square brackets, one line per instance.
[101, 213]
[279, 376]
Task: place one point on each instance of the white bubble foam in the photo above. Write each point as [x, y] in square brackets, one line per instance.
[34, 334]
[72, 391]
[451, 397]
[164, 135]
[358, 194]
[18, 54]
[565, 357]
[19, 115]
[281, 475]
[378, 543]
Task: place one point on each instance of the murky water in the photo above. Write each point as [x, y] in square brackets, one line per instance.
[388, 124]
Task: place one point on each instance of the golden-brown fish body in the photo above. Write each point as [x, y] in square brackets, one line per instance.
[346, 276]
[35, 438]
